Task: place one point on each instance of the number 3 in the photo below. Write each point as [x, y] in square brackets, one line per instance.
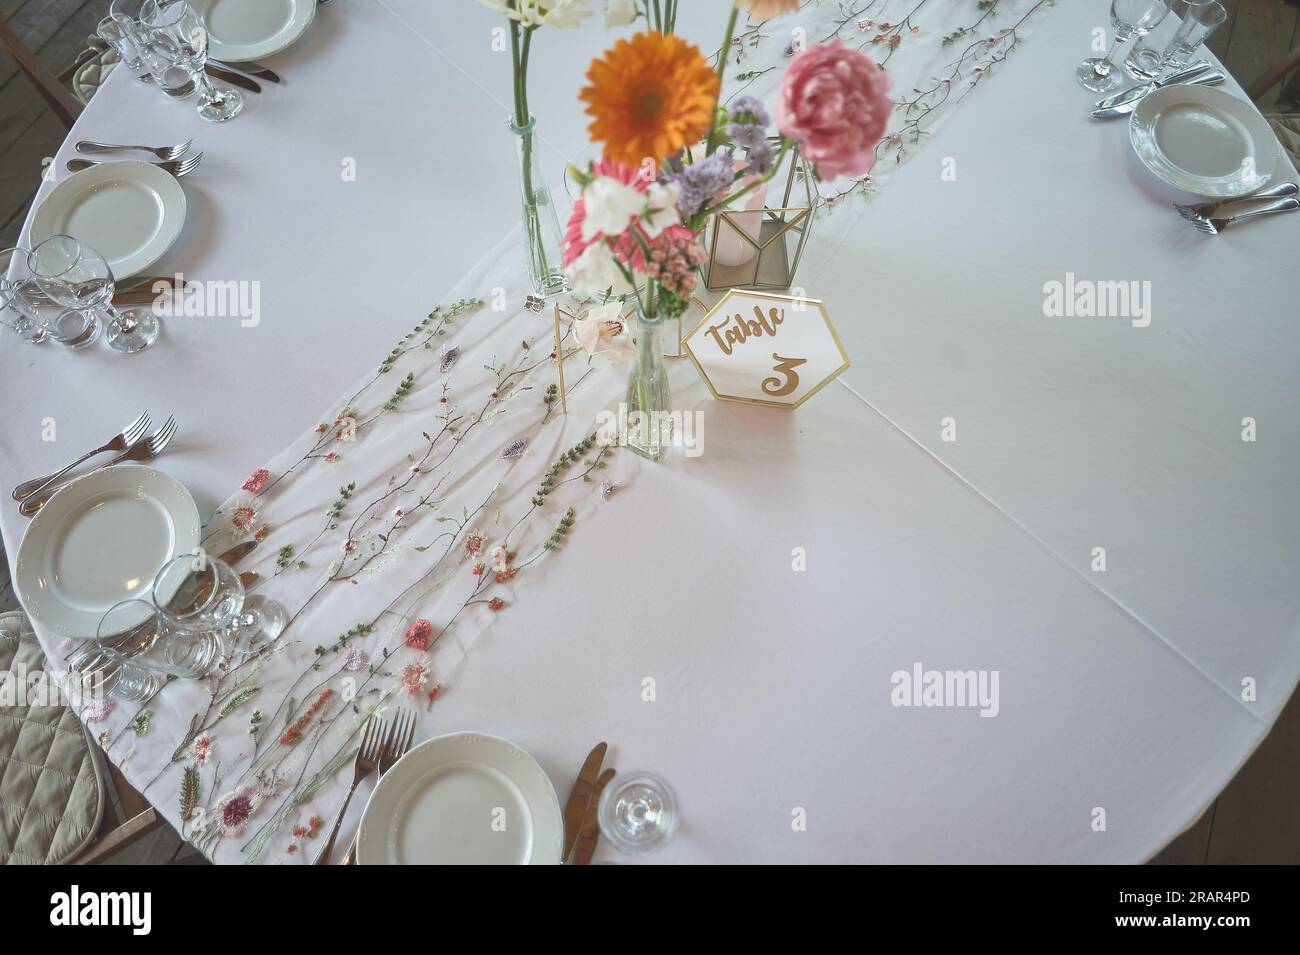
[784, 366]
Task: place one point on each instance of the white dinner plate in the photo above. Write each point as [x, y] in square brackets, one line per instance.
[240, 30]
[129, 212]
[1204, 141]
[100, 540]
[462, 799]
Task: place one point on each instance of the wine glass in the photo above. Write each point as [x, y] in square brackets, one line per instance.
[77, 277]
[637, 813]
[203, 593]
[157, 643]
[1129, 18]
[178, 35]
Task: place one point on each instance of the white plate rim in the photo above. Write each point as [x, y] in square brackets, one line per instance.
[304, 12]
[371, 831]
[50, 613]
[1148, 111]
[167, 186]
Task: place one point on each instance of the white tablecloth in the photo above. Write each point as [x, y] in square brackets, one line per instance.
[1119, 690]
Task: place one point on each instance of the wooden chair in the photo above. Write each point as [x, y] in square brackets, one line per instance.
[1276, 75]
[64, 802]
[51, 88]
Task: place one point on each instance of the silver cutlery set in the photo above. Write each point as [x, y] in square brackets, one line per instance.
[382, 744]
[1214, 216]
[175, 159]
[1123, 103]
[132, 443]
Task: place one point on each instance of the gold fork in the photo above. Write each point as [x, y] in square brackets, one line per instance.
[372, 748]
[397, 742]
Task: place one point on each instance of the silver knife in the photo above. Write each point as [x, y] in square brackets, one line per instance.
[1127, 106]
[251, 68]
[1135, 93]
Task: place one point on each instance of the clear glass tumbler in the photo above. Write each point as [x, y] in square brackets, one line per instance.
[1196, 20]
[16, 286]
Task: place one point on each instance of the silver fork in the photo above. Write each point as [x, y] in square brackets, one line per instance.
[162, 152]
[396, 745]
[177, 167]
[143, 450]
[1215, 226]
[120, 442]
[367, 762]
[1204, 210]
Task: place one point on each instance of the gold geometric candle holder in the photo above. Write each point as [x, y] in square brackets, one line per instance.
[761, 248]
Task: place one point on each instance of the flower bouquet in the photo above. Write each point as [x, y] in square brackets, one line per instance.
[675, 154]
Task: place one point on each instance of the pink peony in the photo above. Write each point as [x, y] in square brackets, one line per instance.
[834, 103]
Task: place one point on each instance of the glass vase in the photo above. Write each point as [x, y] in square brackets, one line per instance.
[649, 428]
[541, 224]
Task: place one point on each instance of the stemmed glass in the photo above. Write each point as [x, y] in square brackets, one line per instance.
[638, 812]
[198, 592]
[177, 34]
[1129, 18]
[76, 276]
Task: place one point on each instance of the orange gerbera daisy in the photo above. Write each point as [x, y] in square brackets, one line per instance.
[651, 95]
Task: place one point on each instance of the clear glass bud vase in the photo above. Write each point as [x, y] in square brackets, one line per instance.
[649, 399]
[541, 224]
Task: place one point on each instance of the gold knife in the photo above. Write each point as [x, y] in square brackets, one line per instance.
[238, 552]
[590, 835]
[234, 79]
[575, 810]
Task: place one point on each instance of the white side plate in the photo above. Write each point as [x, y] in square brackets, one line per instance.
[129, 212]
[100, 540]
[462, 799]
[1204, 141]
[240, 30]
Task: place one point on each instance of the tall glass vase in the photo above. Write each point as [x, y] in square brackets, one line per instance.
[541, 224]
[649, 399]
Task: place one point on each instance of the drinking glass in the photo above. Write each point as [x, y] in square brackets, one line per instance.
[121, 34]
[76, 276]
[637, 813]
[1129, 19]
[176, 33]
[156, 643]
[15, 312]
[120, 678]
[1197, 20]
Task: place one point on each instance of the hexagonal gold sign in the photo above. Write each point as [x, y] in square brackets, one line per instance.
[766, 349]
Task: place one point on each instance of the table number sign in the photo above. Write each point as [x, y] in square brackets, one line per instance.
[766, 349]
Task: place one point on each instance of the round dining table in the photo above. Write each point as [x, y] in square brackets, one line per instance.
[1092, 515]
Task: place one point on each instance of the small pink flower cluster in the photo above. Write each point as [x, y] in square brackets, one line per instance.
[673, 261]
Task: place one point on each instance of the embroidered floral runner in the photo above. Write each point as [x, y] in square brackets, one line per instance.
[393, 531]
[936, 52]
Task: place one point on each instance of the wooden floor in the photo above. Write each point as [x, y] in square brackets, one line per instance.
[1257, 817]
